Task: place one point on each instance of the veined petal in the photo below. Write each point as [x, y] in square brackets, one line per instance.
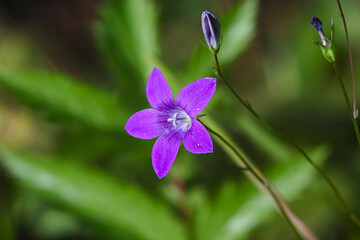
[146, 124]
[194, 97]
[158, 91]
[211, 29]
[164, 152]
[197, 139]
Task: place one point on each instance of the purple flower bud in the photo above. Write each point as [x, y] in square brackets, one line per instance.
[211, 29]
[317, 24]
[326, 45]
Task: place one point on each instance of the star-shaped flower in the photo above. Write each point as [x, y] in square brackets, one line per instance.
[172, 120]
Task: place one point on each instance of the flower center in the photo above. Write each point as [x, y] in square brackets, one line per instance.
[180, 119]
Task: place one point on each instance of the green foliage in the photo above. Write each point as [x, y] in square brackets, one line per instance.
[238, 209]
[110, 207]
[237, 29]
[63, 97]
[272, 146]
[127, 39]
[127, 36]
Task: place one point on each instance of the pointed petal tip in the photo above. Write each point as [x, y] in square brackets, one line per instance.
[155, 72]
[160, 175]
[210, 150]
[155, 69]
[207, 12]
[203, 151]
[212, 79]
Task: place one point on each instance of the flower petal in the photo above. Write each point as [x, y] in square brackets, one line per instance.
[197, 139]
[194, 97]
[158, 91]
[164, 152]
[146, 124]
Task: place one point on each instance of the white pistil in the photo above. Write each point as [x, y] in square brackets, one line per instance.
[180, 119]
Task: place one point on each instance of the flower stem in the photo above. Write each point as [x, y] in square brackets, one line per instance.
[355, 112]
[247, 105]
[255, 172]
[356, 127]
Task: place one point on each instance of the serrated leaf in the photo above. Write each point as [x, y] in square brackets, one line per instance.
[61, 96]
[111, 208]
[237, 29]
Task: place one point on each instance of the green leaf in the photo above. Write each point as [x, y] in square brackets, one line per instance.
[61, 96]
[273, 146]
[55, 224]
[127, 39]
[237, 29]
[239, 209]
[111, 208]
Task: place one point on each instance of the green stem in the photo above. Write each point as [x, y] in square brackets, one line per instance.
[356, 127]
[247, 105]
[258, 176]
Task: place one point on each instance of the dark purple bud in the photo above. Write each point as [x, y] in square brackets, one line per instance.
[326, 45]
[211, 29]
[317, 24]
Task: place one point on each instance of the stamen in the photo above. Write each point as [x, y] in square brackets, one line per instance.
[180, 119]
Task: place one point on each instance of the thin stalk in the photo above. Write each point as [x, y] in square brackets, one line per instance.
[249, 167]
[356, 127]
[355, 112]
[247, 105]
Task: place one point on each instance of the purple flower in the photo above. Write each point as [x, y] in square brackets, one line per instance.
[173, 120]
[211, 30]
[317, 24]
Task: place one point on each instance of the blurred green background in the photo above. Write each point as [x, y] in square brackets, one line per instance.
[73, 72]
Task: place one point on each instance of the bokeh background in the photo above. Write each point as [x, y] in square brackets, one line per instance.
[72, 72]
